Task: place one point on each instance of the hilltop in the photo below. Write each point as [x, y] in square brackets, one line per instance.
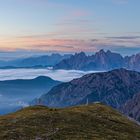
[95, 121]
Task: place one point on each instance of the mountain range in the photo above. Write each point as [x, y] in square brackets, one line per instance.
[17, 93]
[89, 122]
[101, 61]
[40, 61]
[113, 88]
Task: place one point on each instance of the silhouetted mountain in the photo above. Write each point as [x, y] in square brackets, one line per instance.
[132, 107]
[17, 93]
[91, 122]
[113, 88]
[100, 61]
[35, 61]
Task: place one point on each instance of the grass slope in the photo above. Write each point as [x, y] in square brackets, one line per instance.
[92, 122]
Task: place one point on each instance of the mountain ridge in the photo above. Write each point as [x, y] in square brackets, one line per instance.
[113, 88]
[102, 60]
[38, 61]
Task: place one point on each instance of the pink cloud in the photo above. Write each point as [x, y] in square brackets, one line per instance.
[44, 43]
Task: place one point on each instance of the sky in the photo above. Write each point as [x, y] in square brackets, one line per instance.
[67, 26]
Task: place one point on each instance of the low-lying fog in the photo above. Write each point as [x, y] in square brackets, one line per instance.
[60, 75]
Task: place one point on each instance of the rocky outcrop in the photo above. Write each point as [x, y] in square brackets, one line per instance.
[132, 107]
[133, 62]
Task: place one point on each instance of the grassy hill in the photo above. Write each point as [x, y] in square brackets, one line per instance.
[92, 122]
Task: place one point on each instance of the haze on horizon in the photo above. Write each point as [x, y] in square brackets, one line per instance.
[42, 26]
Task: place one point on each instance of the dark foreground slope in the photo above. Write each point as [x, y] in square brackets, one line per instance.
[90, 122]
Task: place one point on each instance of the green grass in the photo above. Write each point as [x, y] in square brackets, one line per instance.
[93, 122]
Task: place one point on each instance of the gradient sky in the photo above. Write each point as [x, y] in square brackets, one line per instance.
[69, 25]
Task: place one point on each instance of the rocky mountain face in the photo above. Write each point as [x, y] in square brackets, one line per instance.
[74, 62]
[106, 60]
[100, 61]
[113, 88]
[132, 107]
[91, 122]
